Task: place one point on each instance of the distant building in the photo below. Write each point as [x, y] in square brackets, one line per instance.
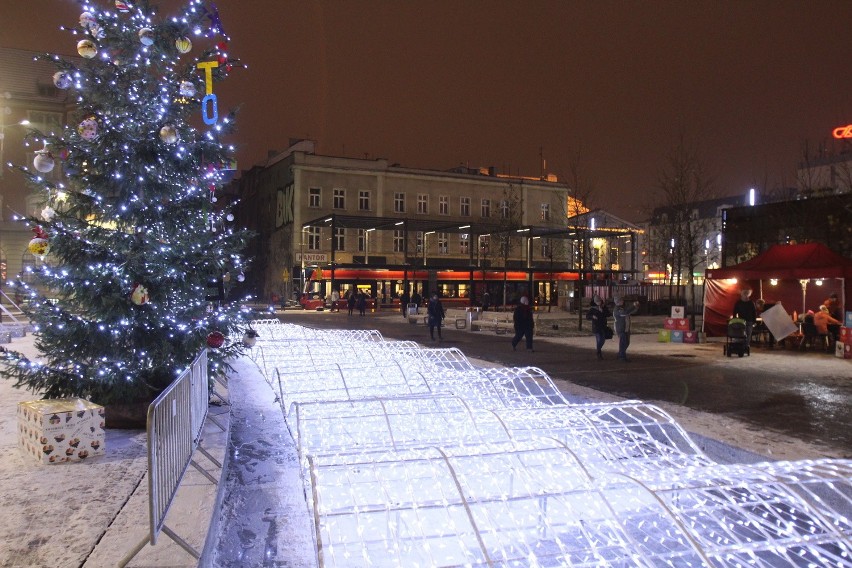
[335, 223]
[27, 93]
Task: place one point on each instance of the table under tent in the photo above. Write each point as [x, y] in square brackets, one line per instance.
[798, 277]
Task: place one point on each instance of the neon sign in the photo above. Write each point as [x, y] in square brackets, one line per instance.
[842, 132]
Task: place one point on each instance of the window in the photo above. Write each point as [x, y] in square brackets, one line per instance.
[314, 197]
[422, 203]
[484, 244]
[504, 209]
[339, 198]
[362, 240]
[364, 200]
[399, 241]
[464, 243]
[339, 238]
[486, 208]
[444, 205]
[545, 248]
[545, 212]
[399, 202]
[418, 237]
[313, 238]
[443, 241]
[464, 206]
[45, 121]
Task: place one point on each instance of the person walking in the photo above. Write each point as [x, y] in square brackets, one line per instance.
[524, 323]
[416, 299]
[335, 297]
[435, 311]
[350, 302]
[403, 303]
[598, 314]
[621, 315]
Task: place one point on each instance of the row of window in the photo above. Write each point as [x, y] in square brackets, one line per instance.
[313, 241]
[399, 203]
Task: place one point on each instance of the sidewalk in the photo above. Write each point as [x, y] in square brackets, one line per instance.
[92, 513]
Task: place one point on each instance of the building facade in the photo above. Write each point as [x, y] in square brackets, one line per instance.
[327, 223]
[28, 100]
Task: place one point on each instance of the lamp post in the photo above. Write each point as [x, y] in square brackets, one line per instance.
[426, 245]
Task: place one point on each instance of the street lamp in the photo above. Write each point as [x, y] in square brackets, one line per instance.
[426, 245]
[367, 245]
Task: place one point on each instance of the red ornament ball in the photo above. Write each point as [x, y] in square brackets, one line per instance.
[215, 339]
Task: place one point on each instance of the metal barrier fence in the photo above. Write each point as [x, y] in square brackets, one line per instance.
[175, 421]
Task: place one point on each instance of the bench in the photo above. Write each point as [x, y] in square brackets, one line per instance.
[499, 322]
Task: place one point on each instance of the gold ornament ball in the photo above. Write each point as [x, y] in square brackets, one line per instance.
[168, 134]
[87, 48]
[38, 246]
[183, 44]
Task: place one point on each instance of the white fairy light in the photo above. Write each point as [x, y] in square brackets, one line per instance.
[416, 457]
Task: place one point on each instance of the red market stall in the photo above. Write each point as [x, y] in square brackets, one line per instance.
[801, 277]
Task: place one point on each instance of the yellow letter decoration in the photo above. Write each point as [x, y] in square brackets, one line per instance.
[209, 102]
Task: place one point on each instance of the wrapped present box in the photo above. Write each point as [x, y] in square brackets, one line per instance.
[678, 312]
[848, 319]
[847, 350]
[845, 334]
[690, 337]
[664, 336]
[839, 349]
[680, 324]
[677, 336]
[61, 430]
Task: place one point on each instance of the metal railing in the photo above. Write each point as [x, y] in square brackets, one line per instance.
[175, 421]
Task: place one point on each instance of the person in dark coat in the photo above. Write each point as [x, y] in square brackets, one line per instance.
[404, 300]
[486, 301]
[350, 302]
[598, 314]
[435, 311]
[621, 315]
[416, 298]
[524, 323]
[362, 303]
[745, 309]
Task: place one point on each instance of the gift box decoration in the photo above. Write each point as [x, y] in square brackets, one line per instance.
[845, 334]
[847, 350]
[848, 319]
[669, 323]
[682, 324]
[690, 337]
[61, 430]
[678, 312]
[839, 350]
[664, 336]
[677, 336]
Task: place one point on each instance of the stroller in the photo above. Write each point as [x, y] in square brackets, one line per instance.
[737, 340]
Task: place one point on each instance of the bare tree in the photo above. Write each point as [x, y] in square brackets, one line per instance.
[683, 184]
[581, 190]
[496, 249]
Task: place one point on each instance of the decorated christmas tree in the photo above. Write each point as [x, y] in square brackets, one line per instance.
[137, 247]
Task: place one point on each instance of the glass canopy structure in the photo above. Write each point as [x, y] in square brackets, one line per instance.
[416, 457]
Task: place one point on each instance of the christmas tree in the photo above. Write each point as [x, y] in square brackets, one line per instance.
[136, 245]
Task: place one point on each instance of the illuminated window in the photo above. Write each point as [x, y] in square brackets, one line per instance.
[444, 204]
[314, 195]
[504, 209]
[399, 202]
[464, 206]
[422, 203]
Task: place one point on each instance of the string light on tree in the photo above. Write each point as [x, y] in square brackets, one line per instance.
[129, 223]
